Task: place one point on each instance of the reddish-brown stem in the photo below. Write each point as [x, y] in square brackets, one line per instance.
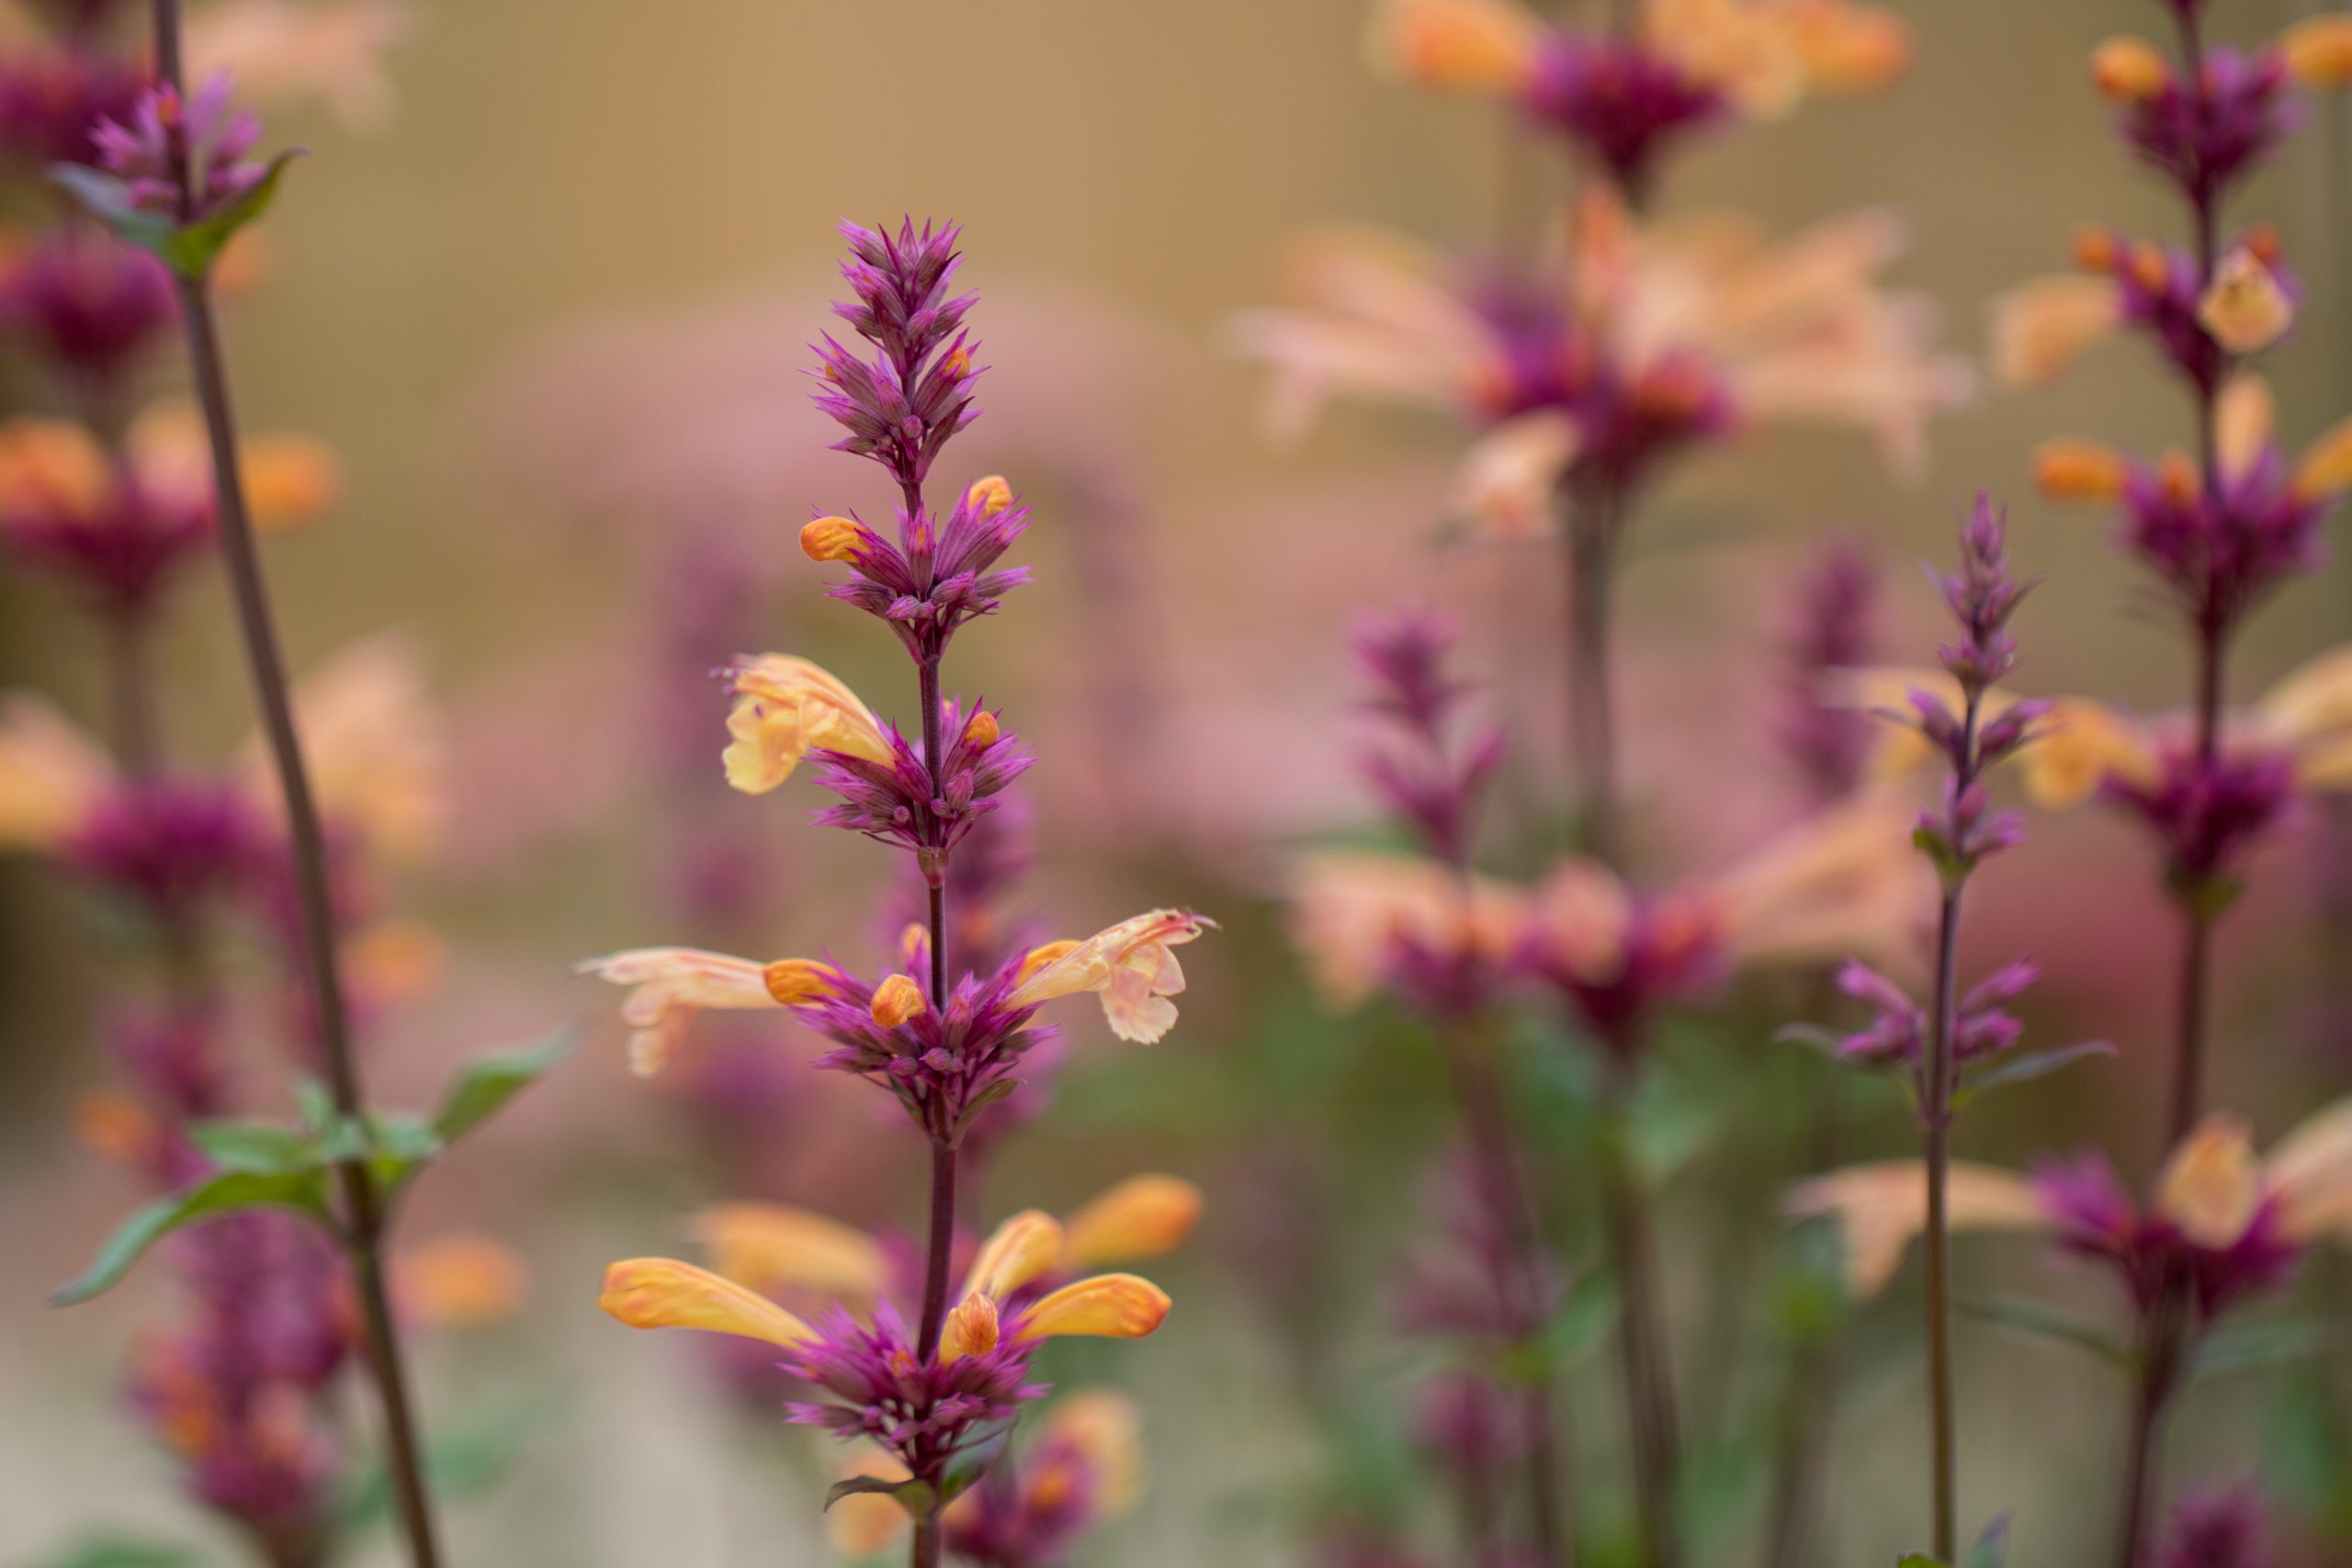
[924, 1550]
[363, 1219]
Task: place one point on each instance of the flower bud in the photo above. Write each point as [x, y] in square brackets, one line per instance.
[794, 981]
[2130, 70]
[980, 730]
[971, 1329]
[895, 1000]
[830, 539]
[989, 496]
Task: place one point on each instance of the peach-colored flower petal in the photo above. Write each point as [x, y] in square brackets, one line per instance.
[1580, 916]
[2079, 744]
[774, 1244]
[277, 50]
[786, 707]
[1349, 906]
[2246, 308]
[2318, 50]
[1881, 1207]
[51, 774]
[1025, 1247]
[1847, 880]
[1105, 1428]
[1143, 1216]
[2310, 1175]
[1112, 1306]
[662, 1293]
[1479, 46]
[1130, 967]
[2212, 1185]
[2040, 328]
[672, 984]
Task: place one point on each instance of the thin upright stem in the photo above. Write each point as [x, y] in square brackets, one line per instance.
[363, 1218]
[1942, 1419]
[1495, 1149]
[924, 1550]
[1937, 1084]
[2157, 1359]
[1644, 1362]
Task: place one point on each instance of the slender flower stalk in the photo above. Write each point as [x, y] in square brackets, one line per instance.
[1958, 838]
[931, 1403]
[363, 1219]
[1434, 779]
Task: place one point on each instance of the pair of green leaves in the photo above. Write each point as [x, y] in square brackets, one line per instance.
[919, 1497]
[263, 1165]
[188, 249]
[1976, 1080]
[2233, 1347]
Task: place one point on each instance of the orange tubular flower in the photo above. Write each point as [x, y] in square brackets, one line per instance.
[786, 707]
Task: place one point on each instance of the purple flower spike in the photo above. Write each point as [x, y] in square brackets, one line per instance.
[2207, 132]
[1422, 772]
[1624, 104]
[1831, 626]
[902, 406]
[202, 140]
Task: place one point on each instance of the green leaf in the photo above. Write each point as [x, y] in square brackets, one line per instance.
[316, 1102]
[489, 1082]
[115, 1551]
[107, 199]
[2031, 1317]
[2251, 1346]
[255, 1146]
[189, 249]
[1991, 1548]
[224, 1193]
[2027, 1066]
[912, 1495]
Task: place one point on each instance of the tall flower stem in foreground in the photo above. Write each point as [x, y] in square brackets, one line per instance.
[363, 1219]
[1958, 836]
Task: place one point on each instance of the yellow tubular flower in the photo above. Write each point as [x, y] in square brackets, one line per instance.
[1110, 1306]
[2319, 52]
[1879, 1208]
[2128, 70]
[786, 707]
[2244, 309]
[2040, 328]
[774, 1244]
[51, 774]
[1473, 46]
[2074, 470]
[2078, 744]
[2212, 1187]
[1025, 1247]
[1129, 965]
[1143, 1216]
[2310, 713]
[662, 1293]
[671, 984]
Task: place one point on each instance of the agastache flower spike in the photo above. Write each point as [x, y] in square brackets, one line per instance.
[203, 136]
[903, 405]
